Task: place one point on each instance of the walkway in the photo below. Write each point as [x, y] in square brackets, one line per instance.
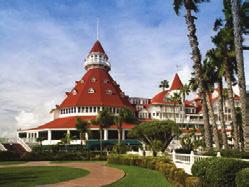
[99, 175]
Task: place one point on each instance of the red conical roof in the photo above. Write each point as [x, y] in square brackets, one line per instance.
[97, 88]
[97, 48]
[177, 83]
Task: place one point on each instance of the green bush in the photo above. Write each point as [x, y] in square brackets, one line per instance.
[9, 156]
[242, 178]
[120, 149]
[161, 164]
[193, 182]
[218, 171]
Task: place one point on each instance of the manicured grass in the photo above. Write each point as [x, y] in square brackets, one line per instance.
[11, 162]
[37, 175]
[136, 176]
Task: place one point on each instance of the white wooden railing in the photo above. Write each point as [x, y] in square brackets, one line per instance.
[2, 148]
[23, 144]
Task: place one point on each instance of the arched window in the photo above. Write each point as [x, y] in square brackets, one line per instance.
[93, 79]
[109, 92]
[91, 90]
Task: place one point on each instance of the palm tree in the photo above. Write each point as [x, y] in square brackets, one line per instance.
[185, 90]
[192, 5]
[210, 78]
[104, 119]
[125, 115]
[82, 127]
[224, 51]
[237, 30]
[175, 99]
[164, 84]
[214, 63]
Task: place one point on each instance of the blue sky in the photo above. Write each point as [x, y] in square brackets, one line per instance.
[43, 45]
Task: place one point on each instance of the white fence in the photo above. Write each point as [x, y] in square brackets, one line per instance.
[15, 140]
[2, 148]
[184, 161]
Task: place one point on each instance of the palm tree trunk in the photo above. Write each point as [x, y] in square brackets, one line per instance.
[232, 107]
[240, 64]
[221, 113]
[81, 138]
[213, 121]
[196, 57]
[101, 140]
[119, 135]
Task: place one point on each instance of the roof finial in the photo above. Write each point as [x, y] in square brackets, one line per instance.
[97, 28]
[178, 68]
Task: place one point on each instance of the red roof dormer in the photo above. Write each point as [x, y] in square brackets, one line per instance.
[177, 83]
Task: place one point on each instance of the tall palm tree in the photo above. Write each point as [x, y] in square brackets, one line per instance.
[216, 65]
[104, 119]
[185, 90]
[82, 127]
[237, 30]
[210, 78]
[176, 100]
[125, 115]
[224, 51]
[164, 84]
[192, 6]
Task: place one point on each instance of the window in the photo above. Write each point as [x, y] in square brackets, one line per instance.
[90, 109]
[78, 109]
[81, 81]
[74, 110]
[86, 109]
[91, 90]
[93, 79]
[106, 81]
[94, 109]
[75, 92]
[108, 92]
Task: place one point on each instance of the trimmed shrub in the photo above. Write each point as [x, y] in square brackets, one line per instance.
[193, 182]
[242, 178]
[218, 171]
[161, 164]
[9, 156]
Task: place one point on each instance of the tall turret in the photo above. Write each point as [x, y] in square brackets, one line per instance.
[97, 58]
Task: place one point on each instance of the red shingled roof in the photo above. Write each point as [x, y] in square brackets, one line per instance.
[97, 48]
[106, 91]
[70, 122]
[177, 83]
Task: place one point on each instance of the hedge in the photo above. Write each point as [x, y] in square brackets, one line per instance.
[48, 156]
[161, 164]
[218, 171]
[242, 178]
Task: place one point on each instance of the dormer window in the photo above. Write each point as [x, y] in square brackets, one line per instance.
[81, 81]
[91, 90]
[109, 92]
[106, 81]
[75, 92]
[93, 79]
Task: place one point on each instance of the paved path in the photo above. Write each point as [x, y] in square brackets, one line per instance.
[99, 175]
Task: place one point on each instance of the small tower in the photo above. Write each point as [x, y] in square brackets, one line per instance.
[97, 58]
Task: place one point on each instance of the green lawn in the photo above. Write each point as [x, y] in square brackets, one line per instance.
[136, 176]
[33, 176]
[11, 162]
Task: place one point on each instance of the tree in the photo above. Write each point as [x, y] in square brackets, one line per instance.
[210, 79]
[237, 30]
[192, 6]
[125, 115]
[175, 99]
[226, 61]
[164, 84]
[185, 90]
[82, 127]
[156, 134]
[104, 119]
[216, 65]
[40, 139]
